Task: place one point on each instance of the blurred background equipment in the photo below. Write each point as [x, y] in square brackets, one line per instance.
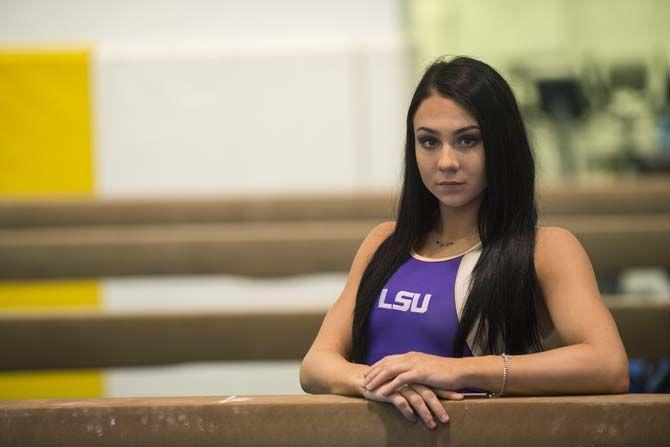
[170, 171]
[563, 101]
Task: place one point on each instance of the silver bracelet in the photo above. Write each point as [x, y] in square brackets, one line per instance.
[505, 376]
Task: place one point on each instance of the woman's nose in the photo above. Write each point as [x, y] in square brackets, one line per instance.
[448, 159]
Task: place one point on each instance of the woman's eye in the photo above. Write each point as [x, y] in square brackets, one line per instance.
[468, 141]
[428, 143]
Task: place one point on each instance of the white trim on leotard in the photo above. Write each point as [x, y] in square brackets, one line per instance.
[462, 289]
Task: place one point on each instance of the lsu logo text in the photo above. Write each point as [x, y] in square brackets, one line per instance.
[405, 301]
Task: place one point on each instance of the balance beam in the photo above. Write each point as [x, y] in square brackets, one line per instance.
[622, 196]
[91, 339]
[605, 420]
[260, 249]
[60, 212]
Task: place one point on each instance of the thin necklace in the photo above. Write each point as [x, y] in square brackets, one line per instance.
[448, 243]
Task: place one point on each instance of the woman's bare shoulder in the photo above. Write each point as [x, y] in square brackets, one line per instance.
[384, 229]
[376, 236]
[548, 239]
[556, 246]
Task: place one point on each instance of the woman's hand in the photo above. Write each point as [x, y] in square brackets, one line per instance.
[416, 398]
[394, 371]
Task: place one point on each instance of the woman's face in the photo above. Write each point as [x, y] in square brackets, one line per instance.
[449, 151]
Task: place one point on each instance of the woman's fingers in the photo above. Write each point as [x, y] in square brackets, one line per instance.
[374, 370]
[417, 401]
[400, 380]
[447, 394]
[432, 401]
[377, 368]
[374, 379]
[370, 376]
[396, 399]
[405, 408]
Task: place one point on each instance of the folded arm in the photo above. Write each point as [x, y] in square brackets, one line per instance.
[325, 368]
[592, 362]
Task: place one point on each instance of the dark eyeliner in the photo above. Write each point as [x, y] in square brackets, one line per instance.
[475, 139]
[424, 139]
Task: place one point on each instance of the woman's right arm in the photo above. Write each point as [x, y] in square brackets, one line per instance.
[325, 368]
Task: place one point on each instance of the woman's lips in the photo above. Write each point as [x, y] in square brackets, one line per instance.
[447, 187]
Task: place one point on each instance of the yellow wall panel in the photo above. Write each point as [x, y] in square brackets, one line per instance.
[40, 295]
[46, 150]
[67, 384]
[45, 124]
[49, 384]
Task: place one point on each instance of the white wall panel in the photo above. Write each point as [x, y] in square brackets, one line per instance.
[160, 21]
[264, 118]
[205, 379]
[221, 121]
[222, 292]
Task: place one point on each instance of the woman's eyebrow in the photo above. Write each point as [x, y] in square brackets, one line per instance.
[456, 132]
[429, 130]
[464, 129]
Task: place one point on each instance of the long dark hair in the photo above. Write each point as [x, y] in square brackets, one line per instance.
[504, 286]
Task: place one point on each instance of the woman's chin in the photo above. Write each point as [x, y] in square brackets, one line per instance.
[454, 201]
[457, 199]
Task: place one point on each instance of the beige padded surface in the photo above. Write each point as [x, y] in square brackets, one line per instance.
[611, 420]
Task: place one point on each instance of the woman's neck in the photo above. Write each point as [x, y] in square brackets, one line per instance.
[458, 223]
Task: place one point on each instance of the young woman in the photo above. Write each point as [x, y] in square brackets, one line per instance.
[457, 294]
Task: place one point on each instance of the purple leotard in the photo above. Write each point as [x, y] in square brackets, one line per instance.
[420, 306]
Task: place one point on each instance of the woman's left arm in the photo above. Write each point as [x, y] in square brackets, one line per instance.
[593, 361]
